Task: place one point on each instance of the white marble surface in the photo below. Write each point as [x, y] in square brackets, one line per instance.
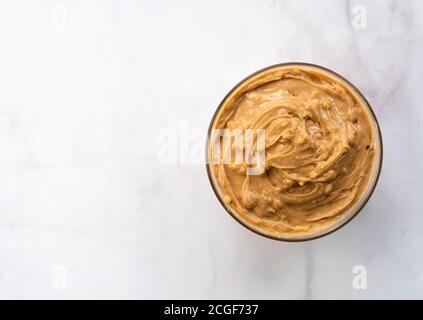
[88, 211]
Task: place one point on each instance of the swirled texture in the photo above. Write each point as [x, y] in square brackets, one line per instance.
[319, 151]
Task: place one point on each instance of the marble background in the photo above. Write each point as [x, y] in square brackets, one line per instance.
[87, 210]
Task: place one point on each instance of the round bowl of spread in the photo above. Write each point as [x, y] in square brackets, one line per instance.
[294, 152]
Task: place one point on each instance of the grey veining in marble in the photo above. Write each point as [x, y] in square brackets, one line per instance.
[88, 211]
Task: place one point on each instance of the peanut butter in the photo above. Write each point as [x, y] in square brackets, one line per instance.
[319, 151]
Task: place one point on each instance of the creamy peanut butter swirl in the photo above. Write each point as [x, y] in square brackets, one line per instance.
[319, 151]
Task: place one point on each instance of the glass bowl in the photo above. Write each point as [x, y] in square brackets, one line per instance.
[349, 214]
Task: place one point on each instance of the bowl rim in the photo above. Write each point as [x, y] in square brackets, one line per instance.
[347, 220]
